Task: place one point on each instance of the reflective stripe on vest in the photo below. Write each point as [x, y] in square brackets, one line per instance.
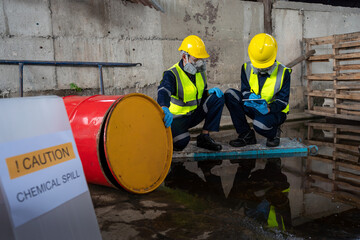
[270, 88]
[188, 95]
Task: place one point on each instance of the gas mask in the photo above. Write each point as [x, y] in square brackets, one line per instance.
[193, 68]
[200, 65]
[263, 71]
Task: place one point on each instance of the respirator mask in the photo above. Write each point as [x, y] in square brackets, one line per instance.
[263, 71]
[193, 68]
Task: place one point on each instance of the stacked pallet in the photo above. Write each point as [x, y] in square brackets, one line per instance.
[341, 54]
[343, 158]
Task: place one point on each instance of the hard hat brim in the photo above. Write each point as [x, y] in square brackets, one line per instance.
[204, 55]
[260, 65]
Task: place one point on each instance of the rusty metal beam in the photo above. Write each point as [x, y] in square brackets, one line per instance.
[150, 3]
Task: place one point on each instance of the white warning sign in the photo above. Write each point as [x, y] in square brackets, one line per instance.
[40, 173]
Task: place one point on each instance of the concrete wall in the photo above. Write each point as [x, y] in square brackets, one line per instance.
[121, 31]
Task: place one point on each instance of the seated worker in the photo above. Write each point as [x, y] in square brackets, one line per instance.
[261, 78]
[185, 100]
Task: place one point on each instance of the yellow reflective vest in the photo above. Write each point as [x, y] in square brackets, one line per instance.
[188, 95]
[274, 218]
[272, 84]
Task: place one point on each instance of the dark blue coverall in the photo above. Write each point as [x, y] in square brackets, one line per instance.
[265, 125]
[209, 108]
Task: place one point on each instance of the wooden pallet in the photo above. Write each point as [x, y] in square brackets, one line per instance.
[343, 57]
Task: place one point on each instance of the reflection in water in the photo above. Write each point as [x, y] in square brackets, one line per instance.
[325, 189]
[262, 193]
[339, 178]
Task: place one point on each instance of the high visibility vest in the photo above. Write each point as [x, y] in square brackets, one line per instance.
[188, 95]
[272, 84]
[274, 218]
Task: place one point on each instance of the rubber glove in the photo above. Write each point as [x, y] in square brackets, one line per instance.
[217, 91]
[261, 212]
[168, 116]
[251, 104]
[254, 96]
[261, 108]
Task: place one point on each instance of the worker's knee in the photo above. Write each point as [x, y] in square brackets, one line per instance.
[216, 101]
[262, 129]
[220, 100]
[181, 143]
[232, 95]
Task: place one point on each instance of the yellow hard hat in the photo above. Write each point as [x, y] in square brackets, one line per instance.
[262, 50]
[194, 46]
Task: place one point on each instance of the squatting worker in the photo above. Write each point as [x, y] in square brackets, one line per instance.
[261, 78]
[184, 97]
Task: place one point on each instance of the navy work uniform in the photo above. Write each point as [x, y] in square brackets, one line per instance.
[273, 87]
[188, 100]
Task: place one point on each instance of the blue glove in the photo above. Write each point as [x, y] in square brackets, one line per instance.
[254, 96]
[251, 104]
[217, 91]
[168, 116]
[261, 212]
[261, 108]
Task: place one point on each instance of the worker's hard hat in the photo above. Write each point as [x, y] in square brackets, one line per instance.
[194, 46]
[262, 50]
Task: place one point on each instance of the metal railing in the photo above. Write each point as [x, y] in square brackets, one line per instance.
[100, 65]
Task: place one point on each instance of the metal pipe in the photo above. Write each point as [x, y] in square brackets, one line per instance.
[21, 80]
[69, 63]
[64, 63]
[157, 6]
[101, 80]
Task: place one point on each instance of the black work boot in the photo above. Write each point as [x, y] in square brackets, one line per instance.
[205, 141]
[274, 142]
[244, 139]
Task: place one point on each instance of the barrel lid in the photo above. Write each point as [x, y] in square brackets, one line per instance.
[138, 147]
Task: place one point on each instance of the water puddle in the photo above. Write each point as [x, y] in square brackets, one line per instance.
[314, 197]
[304, 196]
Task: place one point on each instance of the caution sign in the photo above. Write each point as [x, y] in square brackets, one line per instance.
[42, 182]
[37, 160]
[40, 173]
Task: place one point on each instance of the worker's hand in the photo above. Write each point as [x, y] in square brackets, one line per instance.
[251, 104]
[261, 212]
[254, 96]
[261, 108]
[217, 91]
[168, 116]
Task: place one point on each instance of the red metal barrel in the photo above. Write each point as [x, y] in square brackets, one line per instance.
[121, 140]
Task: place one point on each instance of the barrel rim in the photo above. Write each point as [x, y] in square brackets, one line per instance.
[162, 177]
